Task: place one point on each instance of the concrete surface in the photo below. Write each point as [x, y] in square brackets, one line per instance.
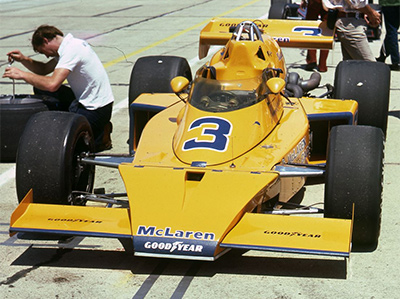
[120, 32]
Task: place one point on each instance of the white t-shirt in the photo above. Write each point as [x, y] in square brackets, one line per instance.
[88, 78]
[344, 5]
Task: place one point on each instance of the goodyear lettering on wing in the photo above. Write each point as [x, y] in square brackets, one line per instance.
[153, 231]
[259, 25]
[74, 220]
[173, 246]
[292, 234]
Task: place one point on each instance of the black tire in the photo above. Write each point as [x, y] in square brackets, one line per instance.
[153, 74]
[277, 11]
[127, 243]
[47, 157]
[354, 176]
[14, 114]
[369, 84]
[280, 9]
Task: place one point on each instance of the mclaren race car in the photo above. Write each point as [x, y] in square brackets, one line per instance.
[215, 161]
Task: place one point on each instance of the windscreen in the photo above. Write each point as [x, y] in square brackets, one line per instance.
[223, 96]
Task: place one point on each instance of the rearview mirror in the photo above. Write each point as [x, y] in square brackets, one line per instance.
[179, 83]
[276, 85]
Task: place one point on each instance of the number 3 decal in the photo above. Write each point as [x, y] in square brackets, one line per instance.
[308, 31]
[217, 128]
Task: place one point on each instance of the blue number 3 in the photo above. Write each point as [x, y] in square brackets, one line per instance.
[219, 134]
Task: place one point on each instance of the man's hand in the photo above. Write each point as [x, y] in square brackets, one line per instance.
[16, 55]
[13, 73]
[372, 17]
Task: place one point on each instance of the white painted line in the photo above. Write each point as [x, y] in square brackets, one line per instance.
[7, 176]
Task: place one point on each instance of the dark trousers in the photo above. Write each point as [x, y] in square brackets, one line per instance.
[97, 118]
[390, 47]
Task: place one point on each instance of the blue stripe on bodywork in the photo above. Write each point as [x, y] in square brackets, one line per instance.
[332, 116]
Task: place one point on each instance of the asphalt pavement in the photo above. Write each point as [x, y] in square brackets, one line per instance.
[120, 32]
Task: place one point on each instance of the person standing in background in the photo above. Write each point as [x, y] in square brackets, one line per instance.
[390, 46]
[353, 17]
[314, 11]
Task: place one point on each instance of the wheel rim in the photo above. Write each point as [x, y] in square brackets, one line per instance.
[83, 174]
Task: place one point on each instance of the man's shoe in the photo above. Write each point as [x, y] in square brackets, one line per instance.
[380, 58]
[107, 136]
[322, 68]
[106, 141]
[310, 66]
[395, 67]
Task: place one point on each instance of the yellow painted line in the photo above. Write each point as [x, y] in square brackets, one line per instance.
[123, 58]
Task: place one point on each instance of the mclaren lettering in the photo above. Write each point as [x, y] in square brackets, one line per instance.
[298, 154]
[168, 232]
[280, 39]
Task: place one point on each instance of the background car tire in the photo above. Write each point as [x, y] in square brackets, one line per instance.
[47, 157]
[354, 175]
[278, 9]
[369, 84]
[153, 74]
[14, 114]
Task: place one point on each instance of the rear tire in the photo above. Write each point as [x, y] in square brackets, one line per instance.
[368, 83]
[48, 157]
[354, 176]
[153, 74]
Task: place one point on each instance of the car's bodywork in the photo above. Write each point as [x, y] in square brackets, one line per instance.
[203, 171]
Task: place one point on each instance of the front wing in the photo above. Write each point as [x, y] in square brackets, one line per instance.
[293, 234]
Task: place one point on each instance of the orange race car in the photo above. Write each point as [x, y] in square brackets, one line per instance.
[215, 161]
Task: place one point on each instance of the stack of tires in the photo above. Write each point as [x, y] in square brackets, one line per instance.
[14, 114]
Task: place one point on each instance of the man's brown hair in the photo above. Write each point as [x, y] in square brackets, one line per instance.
[42, 32]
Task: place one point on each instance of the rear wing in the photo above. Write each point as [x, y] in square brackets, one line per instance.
[288, 33]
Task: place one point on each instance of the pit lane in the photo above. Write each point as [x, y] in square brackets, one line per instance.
[120, 33]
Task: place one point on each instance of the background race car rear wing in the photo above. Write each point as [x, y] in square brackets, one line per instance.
[288, 33]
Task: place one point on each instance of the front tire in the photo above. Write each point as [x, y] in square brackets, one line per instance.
[48, 157]
[354, 176]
